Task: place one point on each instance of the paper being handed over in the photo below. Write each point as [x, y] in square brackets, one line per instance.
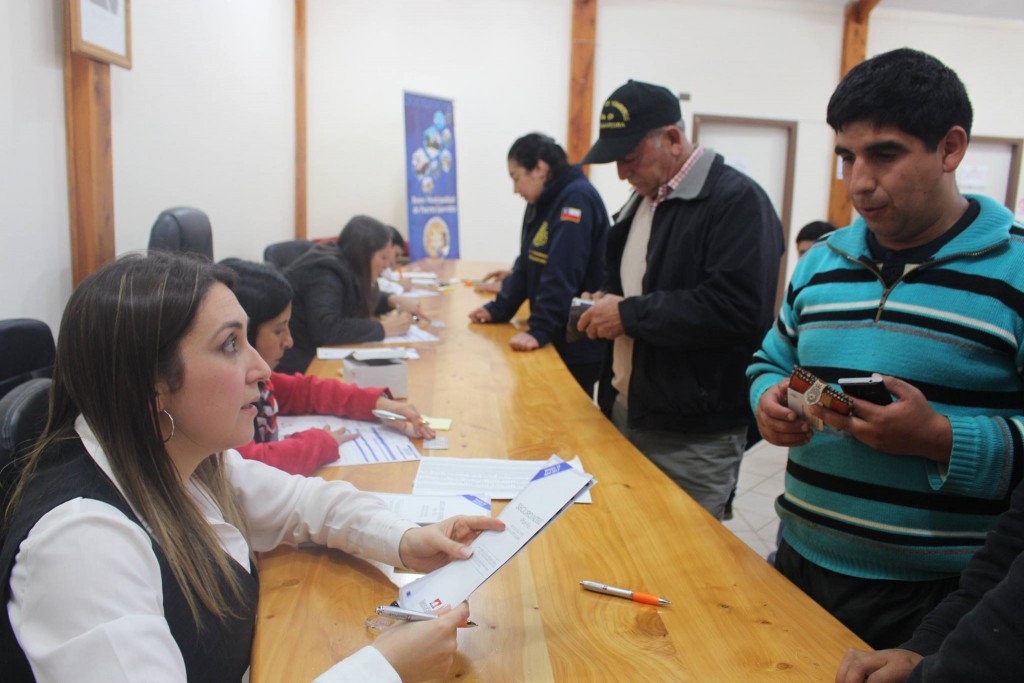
[551, 491]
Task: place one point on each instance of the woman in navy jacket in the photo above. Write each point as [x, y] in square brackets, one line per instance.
[562, 253]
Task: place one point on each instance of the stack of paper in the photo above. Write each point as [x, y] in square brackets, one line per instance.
[338, 353]
[414, 335]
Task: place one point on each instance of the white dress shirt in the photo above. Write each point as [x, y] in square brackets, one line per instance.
[86, 594]
[632, 268]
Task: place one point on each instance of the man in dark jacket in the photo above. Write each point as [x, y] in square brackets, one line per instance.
[975, 634]
[689, 291]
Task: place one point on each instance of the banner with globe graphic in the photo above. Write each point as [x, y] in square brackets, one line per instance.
[430, 172]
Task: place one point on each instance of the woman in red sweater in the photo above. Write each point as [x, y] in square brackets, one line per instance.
[266, 297]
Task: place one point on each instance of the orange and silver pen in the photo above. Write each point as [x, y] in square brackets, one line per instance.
[635, 596]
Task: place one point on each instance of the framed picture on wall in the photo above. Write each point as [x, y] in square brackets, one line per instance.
[101, 29]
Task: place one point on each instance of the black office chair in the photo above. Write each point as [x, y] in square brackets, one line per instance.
[184, 230]
[23, 413]
[281, 254]
[27, 352]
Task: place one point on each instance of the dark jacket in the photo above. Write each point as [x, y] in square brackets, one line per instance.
[561, 256]
[708, 299]
[326, 307]
[976, 633]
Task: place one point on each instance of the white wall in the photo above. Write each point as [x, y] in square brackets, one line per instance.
[205, 118]
[764, 59]
[35, 253]
[505, 63]
[987, 54]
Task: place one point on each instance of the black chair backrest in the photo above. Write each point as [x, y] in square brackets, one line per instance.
[26, 351]
[281, 254]
[184, 230]
[23, 413]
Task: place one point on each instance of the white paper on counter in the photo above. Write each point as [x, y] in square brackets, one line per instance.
[430, 509]
[499, 479]
[376, 443]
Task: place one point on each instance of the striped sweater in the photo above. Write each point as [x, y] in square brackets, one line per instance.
[952, 327]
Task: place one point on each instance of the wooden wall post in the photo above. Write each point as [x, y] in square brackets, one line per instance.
[855, 48]
[581, 78]
[90, 160]
[300, 120]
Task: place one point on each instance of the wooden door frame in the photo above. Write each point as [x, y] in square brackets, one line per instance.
[786, 210]
[1013, 181]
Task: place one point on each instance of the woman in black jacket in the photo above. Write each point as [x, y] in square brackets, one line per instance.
[337, 300]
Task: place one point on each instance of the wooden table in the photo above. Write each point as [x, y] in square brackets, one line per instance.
[732, 618]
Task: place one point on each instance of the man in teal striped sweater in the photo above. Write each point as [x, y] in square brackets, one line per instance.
[926, 288]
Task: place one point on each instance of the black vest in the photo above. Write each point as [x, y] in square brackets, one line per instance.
[219, 653]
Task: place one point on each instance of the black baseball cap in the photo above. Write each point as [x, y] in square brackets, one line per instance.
[628, 115]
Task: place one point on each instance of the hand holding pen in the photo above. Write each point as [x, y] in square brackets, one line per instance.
[414, 425]
[423, 650]
[402, 614]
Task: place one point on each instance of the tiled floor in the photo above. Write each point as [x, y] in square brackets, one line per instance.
[761, 481]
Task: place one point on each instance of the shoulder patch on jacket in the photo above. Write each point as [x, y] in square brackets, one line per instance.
[571, 214]
[541, 238]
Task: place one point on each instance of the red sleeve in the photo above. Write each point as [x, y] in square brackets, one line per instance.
[305, 395]
[300, 453]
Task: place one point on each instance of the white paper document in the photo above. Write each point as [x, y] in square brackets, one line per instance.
[430, 509]
[424, 275]
[332, 353]
[420, 293]
[376, 443]
[549, 493]
[497, 479]
[414, 335]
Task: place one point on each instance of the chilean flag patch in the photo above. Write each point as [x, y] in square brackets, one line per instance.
[571, 214]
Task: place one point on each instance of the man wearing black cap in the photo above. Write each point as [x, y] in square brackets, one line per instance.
[689, 292]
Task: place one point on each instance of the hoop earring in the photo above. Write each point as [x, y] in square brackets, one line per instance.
[171, 418]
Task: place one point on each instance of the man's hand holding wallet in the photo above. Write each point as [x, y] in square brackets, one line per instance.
[807, 390]
[906, 426]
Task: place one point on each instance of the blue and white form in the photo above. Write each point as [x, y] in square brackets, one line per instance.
[376, 443]
[551, 491]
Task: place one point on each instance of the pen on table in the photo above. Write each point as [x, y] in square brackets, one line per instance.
[635, 596]
[392, 612]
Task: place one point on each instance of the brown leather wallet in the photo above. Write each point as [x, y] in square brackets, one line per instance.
[816, 391]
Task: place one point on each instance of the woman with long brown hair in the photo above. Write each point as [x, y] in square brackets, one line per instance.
[337, 300]
[130, 538]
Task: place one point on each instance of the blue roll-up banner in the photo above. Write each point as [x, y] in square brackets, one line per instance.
[430, 173]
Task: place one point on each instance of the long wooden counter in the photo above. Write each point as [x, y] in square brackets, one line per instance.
[732, 618]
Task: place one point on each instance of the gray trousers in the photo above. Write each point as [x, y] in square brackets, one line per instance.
[704, 465]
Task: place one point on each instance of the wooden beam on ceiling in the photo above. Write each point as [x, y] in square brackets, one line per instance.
[855, 46]
[581, 78]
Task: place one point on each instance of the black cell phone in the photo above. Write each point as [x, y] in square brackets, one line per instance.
[866, 388]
